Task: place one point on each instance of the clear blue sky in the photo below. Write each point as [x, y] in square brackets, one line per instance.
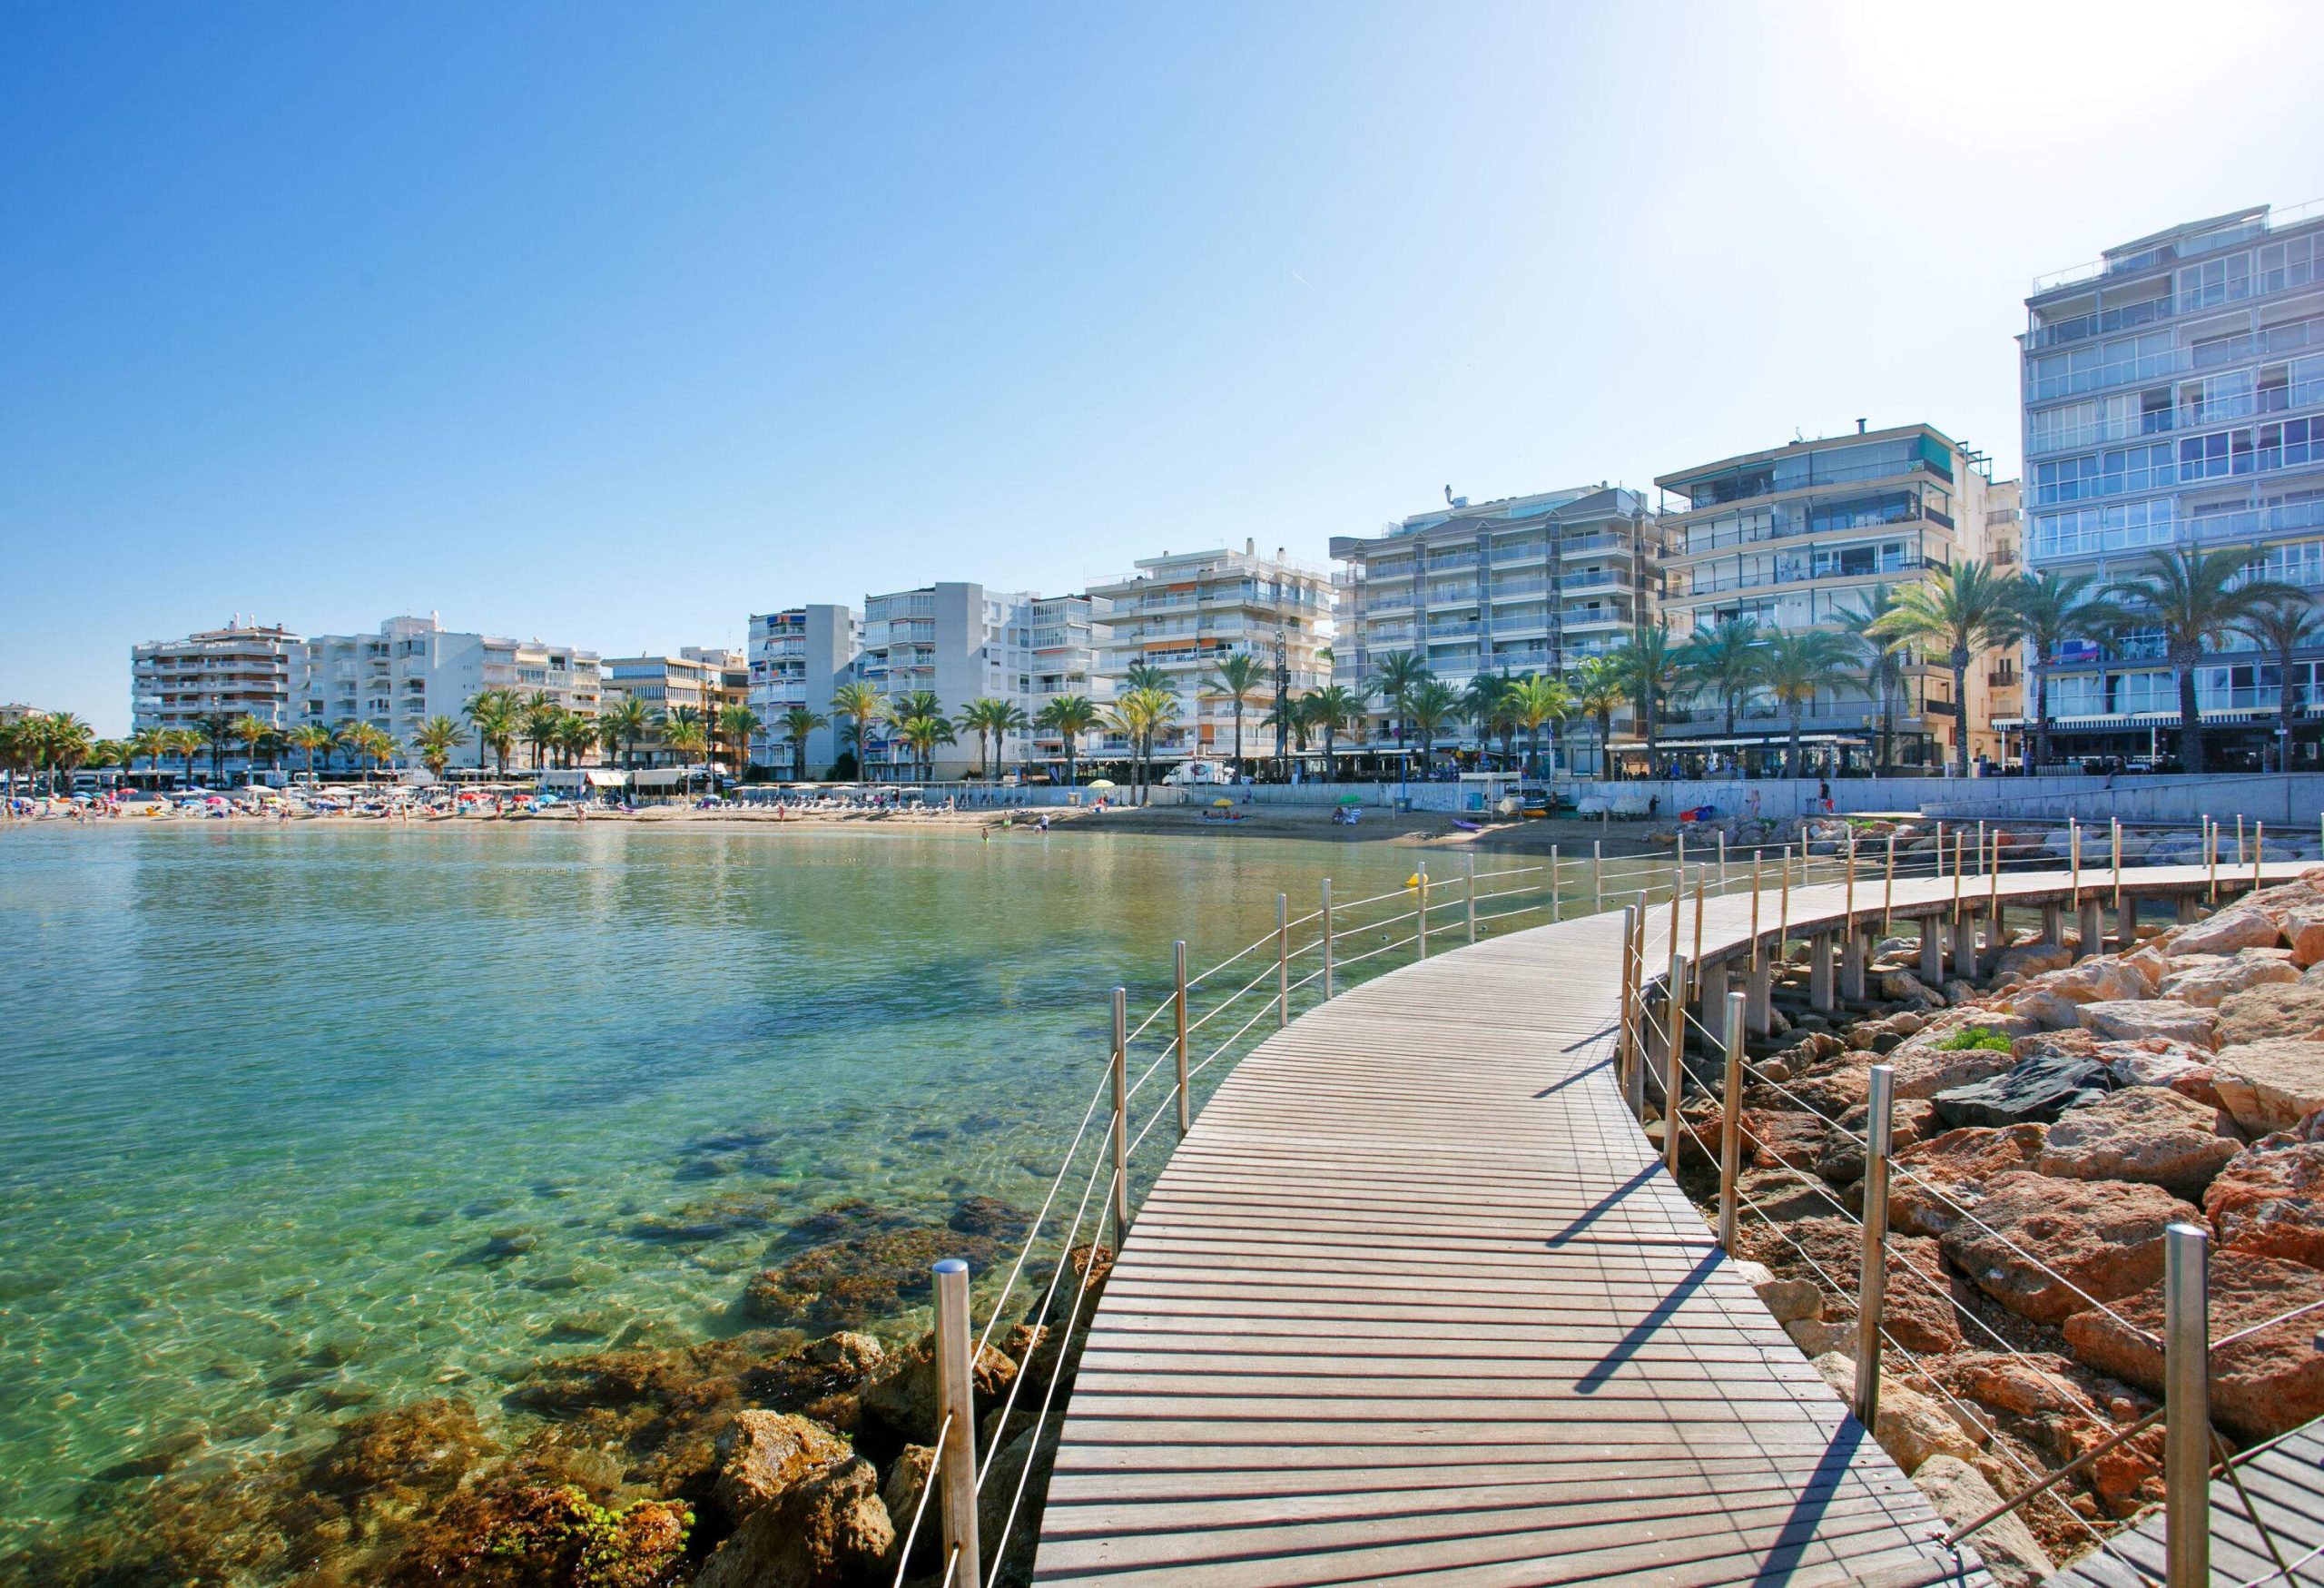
[611, 324]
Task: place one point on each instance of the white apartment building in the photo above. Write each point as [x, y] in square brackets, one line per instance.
[963, 642]
[1533, 584]
[703, 679]
[415, 668]
[799, 658]
[1186, 613]
[2173, 397]
[1795, 536]
[243, 669]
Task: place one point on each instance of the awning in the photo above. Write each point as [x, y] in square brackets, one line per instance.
[1777, 740]
[596, 779]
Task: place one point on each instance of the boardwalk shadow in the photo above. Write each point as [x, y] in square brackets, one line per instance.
[1638, 1333]
[1556, 1087]
[1603, 1205]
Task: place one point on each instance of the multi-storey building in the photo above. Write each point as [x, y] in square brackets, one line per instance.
[1186, 614]
[1533, 584]
[2174, 396]
[959, 642]
[2005, 554]
[415, 668]
[1799, 536]
[702, 679]
[243, 669]
[1063, 637]
[799, 658]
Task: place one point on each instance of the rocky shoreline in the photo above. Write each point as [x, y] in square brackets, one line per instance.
[2052, 1118]
[776, 1457]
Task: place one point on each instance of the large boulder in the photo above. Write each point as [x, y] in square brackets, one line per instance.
[1961, 1495]
[1916, 1301]
[830, 1531]
[2052, 1011]
[2263, 1385]
[2151, 1061]
[2209, 979]
[2272, 1085]
[2035, 1091]
[2239, 927]
[2133, 1019]
[2094, 980]
[903, 1409]
[764, 1454]
[2270, 1201]
[2272, 1010]
[2146, 1133]
[1909, 1426]
[907, 1481]
[1931, 1182]
[2303, 928]
[1926, 1063]
[2032, 959]
[2048, 1248]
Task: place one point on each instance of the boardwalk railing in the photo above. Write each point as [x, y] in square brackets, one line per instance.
[1655, 1076]
[1206, 1020]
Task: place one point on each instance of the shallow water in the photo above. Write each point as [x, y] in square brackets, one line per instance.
[297, 1121]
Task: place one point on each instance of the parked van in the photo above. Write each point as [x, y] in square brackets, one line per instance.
[1197, 775]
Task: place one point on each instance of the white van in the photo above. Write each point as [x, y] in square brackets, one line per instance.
[1197, 775]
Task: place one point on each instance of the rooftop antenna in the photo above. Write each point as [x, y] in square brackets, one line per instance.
[1448, 495]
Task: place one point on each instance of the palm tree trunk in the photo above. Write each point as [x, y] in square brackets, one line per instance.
[2041, 717]
[2190, 720]
[1791, 757]
[2284, 708]
[1961, 710]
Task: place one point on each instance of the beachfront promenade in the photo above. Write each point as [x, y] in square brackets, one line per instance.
[1415, 1299]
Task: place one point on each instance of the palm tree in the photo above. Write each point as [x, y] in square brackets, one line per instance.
[922, 732]
[1533, 701]
[2045, 611]
[576, 735]
[1137, 713]
[900, 709]
[368, 743]
[986, 715]
[1331, 708]
[1959, 610]
[682, 735]
[256, 733]
[183, 743]
[494, 714]
[1597, 689]
[621, 725]
[736, 724]
[858, 703]
[1069, 717]
[1793, 664]
[798, 723]
[152, 744]
[434, 742]
[215, 728]
[65, 743]
[1881, 665]
[2284, 625]
[1237, 677]
[311, 737]
[1650, 674]
[1722, 661]
[1400, 673]
[1485, 702]
[538, 720]
[1430, 704]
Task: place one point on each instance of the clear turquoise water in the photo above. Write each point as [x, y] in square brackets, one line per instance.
[295, 1121]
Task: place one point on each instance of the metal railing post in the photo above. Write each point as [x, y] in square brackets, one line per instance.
[2258, 846]
[2239, 840]
[1722, 864]
[956, 1458]
[1327, 939]
[1754, 908]
[1178, 963]
[1282, 961]
[1121, 1112]
[1889, 891]
[1674, 1066]
[1556, 884]
[1873, 1287]
[1470, 890]
[2186, 1400]
[1626, 1037]
[1730, 1123]
[1634, 1084]
[1597, 876]
[1419, 917]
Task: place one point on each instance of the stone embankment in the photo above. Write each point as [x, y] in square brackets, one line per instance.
[2054, 1117]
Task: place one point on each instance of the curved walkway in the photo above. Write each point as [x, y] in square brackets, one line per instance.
[1414, 1301]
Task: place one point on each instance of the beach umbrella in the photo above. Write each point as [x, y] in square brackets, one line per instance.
[1350, 799]
[1222, 804]
[1099, 783]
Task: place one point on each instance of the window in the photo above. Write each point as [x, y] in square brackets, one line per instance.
[2150, 691]
[2077, 694]
[2215, 281]
[2289, 264]
[2122, 527]
[2290, 444]
[2209, 457]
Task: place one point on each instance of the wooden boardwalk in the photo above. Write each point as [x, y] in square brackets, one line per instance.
[1414, 1301]
[2286, 1482]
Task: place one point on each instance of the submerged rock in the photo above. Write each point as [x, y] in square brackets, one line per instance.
[762, 1455]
